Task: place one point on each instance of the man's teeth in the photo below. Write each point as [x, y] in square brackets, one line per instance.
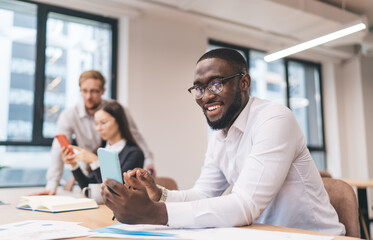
[213, 107]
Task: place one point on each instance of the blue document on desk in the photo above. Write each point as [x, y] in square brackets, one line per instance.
[165, 232]
[135, 231]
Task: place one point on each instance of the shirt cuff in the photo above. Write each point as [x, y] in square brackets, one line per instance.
[74, 168]
[51, 186]
[94, 165]
[180, 216]
[147, 161]
[173, 196]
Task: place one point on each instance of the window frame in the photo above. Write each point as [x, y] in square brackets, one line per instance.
[247, 51]
[39, 82]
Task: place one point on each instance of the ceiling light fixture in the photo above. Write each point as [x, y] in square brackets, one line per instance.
[314, 42]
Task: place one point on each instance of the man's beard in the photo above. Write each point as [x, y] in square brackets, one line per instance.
[229, 116]
[94, 107]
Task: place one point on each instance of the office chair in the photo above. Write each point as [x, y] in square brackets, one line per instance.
[343, 199]
[325, 173]
[166, 182]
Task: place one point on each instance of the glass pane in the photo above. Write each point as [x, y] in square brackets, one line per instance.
[16, 170]
[305, 100]
[319, 158]
[17, 71]
[267, 79]
[74, 45]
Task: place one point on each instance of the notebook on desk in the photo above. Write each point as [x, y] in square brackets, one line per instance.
[55, 204]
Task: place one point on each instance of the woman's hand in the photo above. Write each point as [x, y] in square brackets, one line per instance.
[83, 155]
[68, 157]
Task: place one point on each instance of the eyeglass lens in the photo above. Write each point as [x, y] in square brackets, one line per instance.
[214, 87]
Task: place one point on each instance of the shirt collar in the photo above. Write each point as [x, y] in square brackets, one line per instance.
[117, 147]
[82, 111]
[239, 123]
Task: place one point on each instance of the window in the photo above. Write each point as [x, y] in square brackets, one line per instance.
[305, 102]
[44, 49]
[267, 79]
[293, 83]
[72, 46]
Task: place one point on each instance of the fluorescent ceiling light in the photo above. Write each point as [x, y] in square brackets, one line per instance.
[314, 42]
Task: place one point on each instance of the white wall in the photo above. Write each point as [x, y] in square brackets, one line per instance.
[367, 87]
[351, 118]
[331, 123]
[162, 56]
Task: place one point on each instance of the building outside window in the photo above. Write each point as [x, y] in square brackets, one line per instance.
[41, 63]
[293, 83]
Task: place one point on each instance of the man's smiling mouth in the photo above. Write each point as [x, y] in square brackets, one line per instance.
[212, 108]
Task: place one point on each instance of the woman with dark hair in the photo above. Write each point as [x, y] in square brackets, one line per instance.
[112, 125]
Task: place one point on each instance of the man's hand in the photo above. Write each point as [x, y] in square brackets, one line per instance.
[150, 168]
[83, 155]
[143, 178]
[132, 205]
[44, 192]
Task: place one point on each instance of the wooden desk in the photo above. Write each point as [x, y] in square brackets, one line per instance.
[362, 198]
[94, 218]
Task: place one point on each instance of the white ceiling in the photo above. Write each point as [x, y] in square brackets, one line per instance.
[291, 21]
[364, 7]
[280, 23]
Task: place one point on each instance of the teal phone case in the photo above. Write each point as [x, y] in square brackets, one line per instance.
[109, 165]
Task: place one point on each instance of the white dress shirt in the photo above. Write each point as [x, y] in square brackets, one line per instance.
[264, 157]
[76, 121]
[116, 147]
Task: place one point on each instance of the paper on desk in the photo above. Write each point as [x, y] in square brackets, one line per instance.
[244, 234]
[42, 229]
[142, 231]
[150, 231]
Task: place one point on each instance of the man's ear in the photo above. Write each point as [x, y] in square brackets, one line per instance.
[103, 91]
[245, 82]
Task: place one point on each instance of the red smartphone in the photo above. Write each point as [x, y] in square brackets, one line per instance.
[64, 142]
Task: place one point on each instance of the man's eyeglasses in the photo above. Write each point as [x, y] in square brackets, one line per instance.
[215, 86]
[92, 91]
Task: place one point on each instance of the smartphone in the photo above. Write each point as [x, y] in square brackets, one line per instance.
[64, 142]
[109, 165]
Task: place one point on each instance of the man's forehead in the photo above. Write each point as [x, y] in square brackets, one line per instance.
[90, 83]
[211, 67]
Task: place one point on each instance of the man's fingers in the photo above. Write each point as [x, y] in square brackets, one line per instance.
[132, 173]
[108, 197]
[132, 181]
[105, 192]
[117, 187]
[145, 178]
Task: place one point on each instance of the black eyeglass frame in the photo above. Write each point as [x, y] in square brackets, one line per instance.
[221, 80]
